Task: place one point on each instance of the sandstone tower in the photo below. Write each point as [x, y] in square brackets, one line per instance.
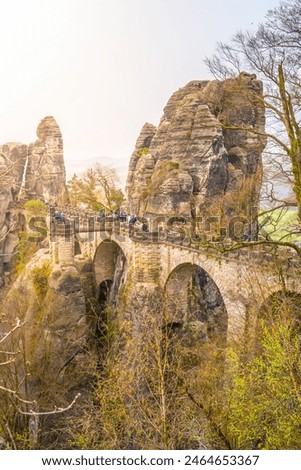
[45, 173]
[35, 171]
[205, 155]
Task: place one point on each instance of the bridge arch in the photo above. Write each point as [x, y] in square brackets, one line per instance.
[192, 297]
[109, 266]
[109, 261]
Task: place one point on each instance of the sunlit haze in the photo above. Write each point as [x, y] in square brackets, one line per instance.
[103, 68]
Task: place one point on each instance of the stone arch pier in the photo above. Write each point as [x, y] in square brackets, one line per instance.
[109, 267]
[192, 296]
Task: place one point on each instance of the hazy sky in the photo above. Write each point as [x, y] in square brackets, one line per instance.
[103, 68]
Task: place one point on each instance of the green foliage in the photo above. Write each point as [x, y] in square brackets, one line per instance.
[40, 275]
[141, 152]
[79, 441]
[263, 403]
[167, 166]
[280, 225]
[25, 251]
[36, 207]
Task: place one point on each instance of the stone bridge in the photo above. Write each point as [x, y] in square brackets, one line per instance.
[230, 284]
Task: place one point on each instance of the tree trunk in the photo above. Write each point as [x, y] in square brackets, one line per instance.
[294, 136]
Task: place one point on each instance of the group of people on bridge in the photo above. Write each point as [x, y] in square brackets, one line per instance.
[59, 217]
[122, 217]
[131, 219]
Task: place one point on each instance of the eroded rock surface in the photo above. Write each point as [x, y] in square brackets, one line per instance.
[12, 164]
[45, 173]
[27, 172]
[205, 155]
[13, 158]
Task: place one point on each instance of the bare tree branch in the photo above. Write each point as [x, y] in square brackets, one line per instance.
[52, 412]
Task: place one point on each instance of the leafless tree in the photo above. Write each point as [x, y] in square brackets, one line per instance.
[273, 52]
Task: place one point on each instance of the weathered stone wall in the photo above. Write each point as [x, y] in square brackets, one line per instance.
[156, 270]
[187, 284]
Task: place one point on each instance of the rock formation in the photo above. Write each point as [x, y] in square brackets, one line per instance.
[205, 155]
[36, 171]
[45, 174]
[13, 158]
[12, 164]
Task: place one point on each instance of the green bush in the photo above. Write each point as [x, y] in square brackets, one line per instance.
[25, 251]
[40, 275]
[143, 151]
[36, 207]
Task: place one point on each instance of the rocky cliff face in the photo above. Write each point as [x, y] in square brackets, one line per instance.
[12, 166]
[36, 171]
[13, 158]
[45, 173]
[205, 155]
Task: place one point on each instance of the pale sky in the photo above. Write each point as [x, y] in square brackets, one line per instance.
[103, 68]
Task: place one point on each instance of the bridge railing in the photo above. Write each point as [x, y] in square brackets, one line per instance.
[78, 222]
